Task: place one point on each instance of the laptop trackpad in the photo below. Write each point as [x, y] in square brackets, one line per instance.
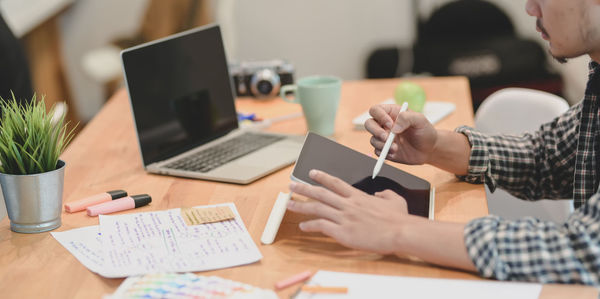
[283, 152]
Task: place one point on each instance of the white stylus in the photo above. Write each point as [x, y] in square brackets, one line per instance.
[386, 146]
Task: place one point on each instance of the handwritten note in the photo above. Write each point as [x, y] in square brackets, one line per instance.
[84, 243]
[195, 216]
[142, 243]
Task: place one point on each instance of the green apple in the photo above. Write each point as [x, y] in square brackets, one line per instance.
[411, 93]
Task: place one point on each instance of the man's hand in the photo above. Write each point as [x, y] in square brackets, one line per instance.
[415, 136]
[353, 218]
[417, 141]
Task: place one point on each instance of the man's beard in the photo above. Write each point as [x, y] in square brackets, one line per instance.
[540, 26]
[560, 60]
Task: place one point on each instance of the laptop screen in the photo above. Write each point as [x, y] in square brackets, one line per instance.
[180, 92]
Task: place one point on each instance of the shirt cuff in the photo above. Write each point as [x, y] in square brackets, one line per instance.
[480, 240]
[479, 161]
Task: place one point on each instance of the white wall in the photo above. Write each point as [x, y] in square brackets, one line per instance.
[88, 25]
[22, 16]
[318, 37]
[335, 36]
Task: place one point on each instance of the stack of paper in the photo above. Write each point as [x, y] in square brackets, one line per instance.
[384, 286]
[152, 242]
[433, 111]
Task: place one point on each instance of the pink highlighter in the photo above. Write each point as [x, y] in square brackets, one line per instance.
[121, 204]
[82, 204]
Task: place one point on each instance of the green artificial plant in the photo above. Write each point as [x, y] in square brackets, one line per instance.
[31, 139]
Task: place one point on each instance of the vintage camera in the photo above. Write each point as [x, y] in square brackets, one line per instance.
[261, 78]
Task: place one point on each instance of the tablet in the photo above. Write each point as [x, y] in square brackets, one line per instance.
[356, 169]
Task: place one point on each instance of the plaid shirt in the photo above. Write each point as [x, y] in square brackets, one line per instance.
[560, 160]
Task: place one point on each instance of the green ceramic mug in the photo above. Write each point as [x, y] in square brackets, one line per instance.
[319, 97]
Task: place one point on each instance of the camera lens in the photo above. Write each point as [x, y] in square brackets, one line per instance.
[264, 87]
[265, 83]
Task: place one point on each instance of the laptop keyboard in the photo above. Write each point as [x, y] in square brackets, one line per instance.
[213, 157]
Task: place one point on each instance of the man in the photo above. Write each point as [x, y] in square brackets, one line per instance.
[560, 160]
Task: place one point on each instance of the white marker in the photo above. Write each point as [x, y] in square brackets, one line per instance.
[275, 218]
[386, 147]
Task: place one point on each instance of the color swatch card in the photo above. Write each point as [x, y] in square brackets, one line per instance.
[152, 242]
[187, 285]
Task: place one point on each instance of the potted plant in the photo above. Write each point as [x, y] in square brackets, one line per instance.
[31, 174]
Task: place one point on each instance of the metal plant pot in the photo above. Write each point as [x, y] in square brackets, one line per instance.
[34, 201]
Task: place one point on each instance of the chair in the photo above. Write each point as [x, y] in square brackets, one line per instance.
[514, 111]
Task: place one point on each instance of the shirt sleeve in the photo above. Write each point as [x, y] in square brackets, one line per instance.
[533, 250]
[530, 166]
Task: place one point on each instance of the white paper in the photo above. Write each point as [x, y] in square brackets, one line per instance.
[433, 111]
[160, 241]
[142, 243]
[84, 243]
[382, 286]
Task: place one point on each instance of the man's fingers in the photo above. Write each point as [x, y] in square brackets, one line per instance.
[375, 129]
[332, 183]
[387, 194]
[381, 114]
[378, 145]
[329, 229]
[391, 195]
[318, 193]
[315, 208]
[321, 226]
[408, 119]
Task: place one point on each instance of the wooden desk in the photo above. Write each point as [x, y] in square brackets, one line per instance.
[105, 156]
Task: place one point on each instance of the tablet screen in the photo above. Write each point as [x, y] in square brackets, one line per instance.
[356, 169]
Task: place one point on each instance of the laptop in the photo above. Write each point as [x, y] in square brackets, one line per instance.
[184, 112]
